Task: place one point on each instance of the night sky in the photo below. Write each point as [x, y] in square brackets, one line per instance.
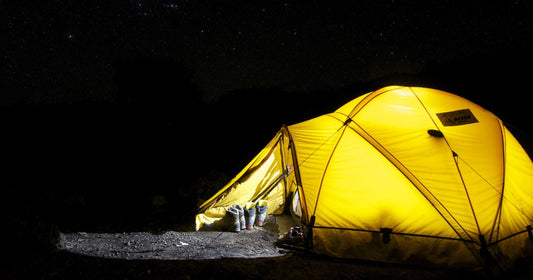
[68, 51]
[131, 83]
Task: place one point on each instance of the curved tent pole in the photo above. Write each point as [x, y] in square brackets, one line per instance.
[306, 220]
[305, 216]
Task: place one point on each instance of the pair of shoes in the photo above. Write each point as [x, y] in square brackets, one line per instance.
[236, 213]
[255, 213]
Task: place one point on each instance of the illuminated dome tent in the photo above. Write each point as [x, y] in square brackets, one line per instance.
[401, 174]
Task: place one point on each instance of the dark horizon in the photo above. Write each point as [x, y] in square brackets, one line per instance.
[150, 141]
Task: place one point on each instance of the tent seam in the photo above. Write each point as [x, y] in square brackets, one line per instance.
[326, 169]
[398, 233]
[497, 219]
[455, 160]
[299, 184]
[413, 176]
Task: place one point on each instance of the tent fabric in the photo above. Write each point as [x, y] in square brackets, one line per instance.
[401, 174]
[268, 176]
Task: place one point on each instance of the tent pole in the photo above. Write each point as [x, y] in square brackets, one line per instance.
[308, 237]
[281, 143]
[295, 163]
[266, 192]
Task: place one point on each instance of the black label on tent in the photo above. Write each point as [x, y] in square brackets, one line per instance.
[459, 117]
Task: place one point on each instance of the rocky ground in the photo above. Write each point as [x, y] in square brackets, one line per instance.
[214, 255]
[202, 245]
[181, 253]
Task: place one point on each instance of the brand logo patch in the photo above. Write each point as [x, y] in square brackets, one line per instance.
[459, 117]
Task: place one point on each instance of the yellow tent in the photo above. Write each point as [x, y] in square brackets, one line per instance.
[401, 174]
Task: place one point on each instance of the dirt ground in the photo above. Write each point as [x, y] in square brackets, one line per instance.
[224, 255]
[202, 245]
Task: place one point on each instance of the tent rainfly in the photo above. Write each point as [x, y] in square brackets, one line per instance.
[402, 175]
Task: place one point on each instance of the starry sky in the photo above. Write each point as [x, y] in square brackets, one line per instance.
[68, 51]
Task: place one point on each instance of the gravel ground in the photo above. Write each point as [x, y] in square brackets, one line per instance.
[214, 255]
[220, 255]
[257, 243]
